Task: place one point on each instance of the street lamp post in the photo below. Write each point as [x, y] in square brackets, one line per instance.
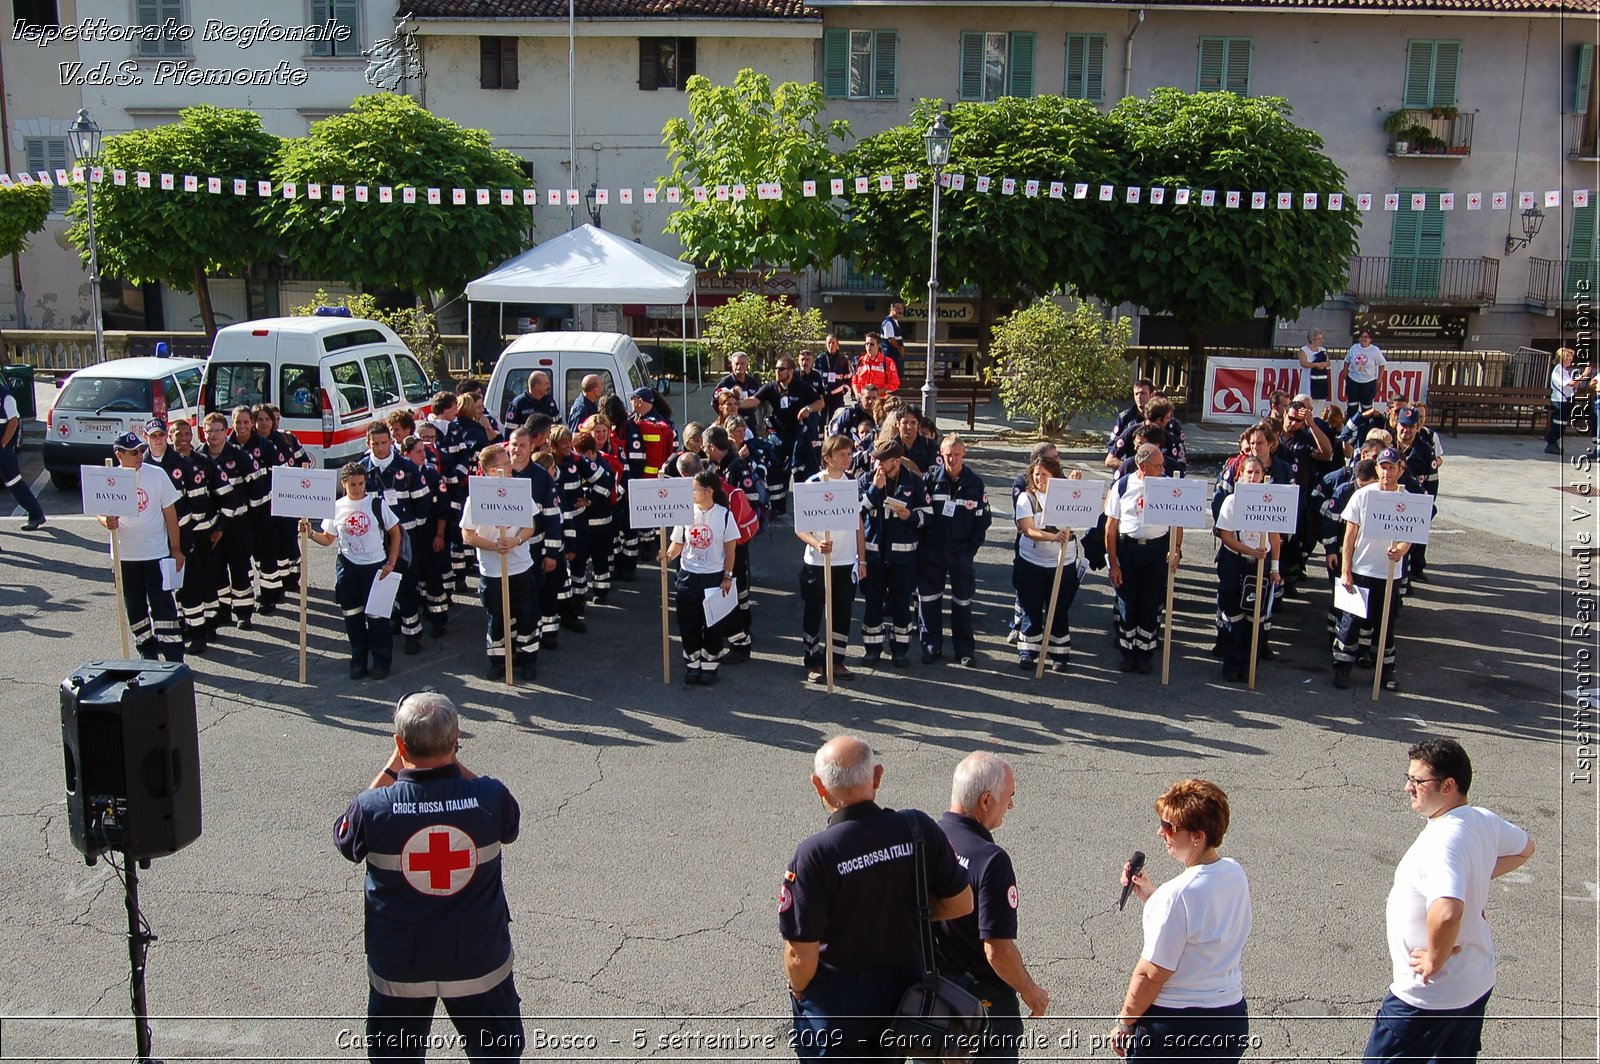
[591, 202]
[937, 141]
[85, 137]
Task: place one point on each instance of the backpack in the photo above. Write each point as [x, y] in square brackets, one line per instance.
[404, 561]
[744, 515]
[1094, 544]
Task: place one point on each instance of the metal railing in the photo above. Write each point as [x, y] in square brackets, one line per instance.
[1554, 283]
[842, 277]
[1442, 136]
[1379, 278]
[1582, 142]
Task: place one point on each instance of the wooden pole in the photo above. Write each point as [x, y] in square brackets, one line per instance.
[827, 611]
[1166, 639]
[505, 612]
[666, 638]
[305, 586]
[122, 603]
[1050, 613]
[1255, 634]
[1383, 632]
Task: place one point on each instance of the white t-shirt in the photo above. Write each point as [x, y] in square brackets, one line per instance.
[1560, 385]
[1361, 364]
[1195, 926]
[360, 539]
[144, 538]
[520, 557]
[1034, 551]
[844, 543]
[1227, 521]
[8, 409]
[1129, 511]
[1454, 857]
[703, 550]
[1371, 557]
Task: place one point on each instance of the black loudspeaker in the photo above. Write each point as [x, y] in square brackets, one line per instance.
[133, 758]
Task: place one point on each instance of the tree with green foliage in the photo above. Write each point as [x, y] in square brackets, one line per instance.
[1219, 265]
[417, 326]
[765, 329]
[23, 212]
[421, 247]
[750, 133]
[1011, 246]
[1053, 364]
[181, 238]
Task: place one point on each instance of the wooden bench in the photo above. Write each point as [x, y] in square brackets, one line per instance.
[956, 391]
[1489, 405]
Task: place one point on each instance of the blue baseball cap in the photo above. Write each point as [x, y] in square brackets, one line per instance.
[128, 441]
[1389, 455]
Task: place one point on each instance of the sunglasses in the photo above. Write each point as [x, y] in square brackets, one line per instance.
[1168, 827]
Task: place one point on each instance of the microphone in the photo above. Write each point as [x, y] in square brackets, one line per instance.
[1135, 866]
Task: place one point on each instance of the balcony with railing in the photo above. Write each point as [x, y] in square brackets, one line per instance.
[1583, 145]
[1557, 285]
[1430, 281]
[842, 278]
[1441, 133]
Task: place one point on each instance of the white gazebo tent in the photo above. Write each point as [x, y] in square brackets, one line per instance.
[587, 266]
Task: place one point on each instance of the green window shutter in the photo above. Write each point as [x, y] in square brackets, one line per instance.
[971, 66]
[1580, 95]
[1021, 64]
[1419, 74]
[1213, 58]
[1582, 252]
[836, 63]
[1086, 62]
[885, 64]
[1446, 68]
[1238, 66]
[1416, 247]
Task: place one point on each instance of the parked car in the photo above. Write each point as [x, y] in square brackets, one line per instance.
[99, 403]
[567, 358]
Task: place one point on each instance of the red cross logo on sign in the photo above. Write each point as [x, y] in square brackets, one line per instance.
[1177, 493]
[827, 496]
[439, 860]
[1077, 493]
[500, 492]
[1399, 507]
[1266, 496]
[305, 485]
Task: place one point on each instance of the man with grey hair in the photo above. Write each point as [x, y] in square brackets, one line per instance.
[848, 912]
[437, 923]
[983, 944]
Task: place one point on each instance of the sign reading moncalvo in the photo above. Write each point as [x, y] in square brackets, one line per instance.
[661, 503]
[506, 502]
[304, 492]
[110, 491]
[1266, 507]
[827, 506]
[1176, 501]
[1400, 516]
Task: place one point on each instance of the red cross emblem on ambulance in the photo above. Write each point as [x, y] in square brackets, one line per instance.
[439, 859]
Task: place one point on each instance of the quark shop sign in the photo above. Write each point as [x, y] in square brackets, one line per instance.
[1387, 324]
[947, 312]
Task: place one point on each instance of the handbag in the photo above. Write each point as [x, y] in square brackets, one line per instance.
[937, 1021]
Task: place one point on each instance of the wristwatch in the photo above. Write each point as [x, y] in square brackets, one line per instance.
[1124, 1027]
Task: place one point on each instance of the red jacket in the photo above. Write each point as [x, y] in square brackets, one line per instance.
[875, 369]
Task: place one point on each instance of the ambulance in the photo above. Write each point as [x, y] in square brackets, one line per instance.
[567, 358]
[331, 374]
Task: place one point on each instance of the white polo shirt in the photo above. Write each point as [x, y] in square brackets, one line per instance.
[1128, 509]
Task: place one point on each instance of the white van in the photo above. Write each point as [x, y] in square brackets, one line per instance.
[101, 402]
[567, 357]
[332, 375]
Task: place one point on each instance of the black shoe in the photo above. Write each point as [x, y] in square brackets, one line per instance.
[413, 644]
[197, 644]
[871, 661]
[378, 673]
[1390, 681]
[600, 597]
[625, 575]
[966, 661]
[1365, 661]
[902, 661]
[495, 670]
[1420, 577]
[735, 654]
[549, 643]
[1027, 661]
[1232, 675]
[266, 607]
[1549, 449]
[357, 671]
[1145, 666]
[1127, 665]
[436, 632]
[574, 624]
[1216, 648]
[528, 669]
[33, 524]
[931, 656]
[1060, 665]
[1341, 674]
[242, 623]
[708, 679]
[1266, 652]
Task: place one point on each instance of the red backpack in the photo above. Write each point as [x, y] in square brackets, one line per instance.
[744, 515]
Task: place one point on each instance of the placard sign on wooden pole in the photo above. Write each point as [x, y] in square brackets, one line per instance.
[1180, 503]
[826, 507]
[1264, 508]
[311, 494]
[1399, 517]
[505, 503]
[1068, 503]
[111, 491]
[662, 503]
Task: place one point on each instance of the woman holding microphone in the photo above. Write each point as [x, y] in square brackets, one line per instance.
[1185, 1000]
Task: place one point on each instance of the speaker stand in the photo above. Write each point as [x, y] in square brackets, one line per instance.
[139, 939]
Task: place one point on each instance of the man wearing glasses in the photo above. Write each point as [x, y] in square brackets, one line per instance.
[437, 923]
[1439, 942]
[1302, 444]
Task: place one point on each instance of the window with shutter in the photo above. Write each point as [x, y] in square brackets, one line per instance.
[860, 64]
[1224, 65]
[665, 62]
[885, 64]
[49, 153]
[1585, 80]
[1583, 254]
[1213, 58]
[1021, 69]
[1086, 61]
[648, 47]
[1238, 66]
[835, 64]
[345, 14]
[971, 87]
[36, 12]
[996, 64]
[1416, 247]
[1432, 68]
[168, 16]
[686, 49]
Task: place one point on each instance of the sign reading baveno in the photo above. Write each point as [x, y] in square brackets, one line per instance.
[1176, 501]
[827, 506]
[661, 503]
[1239, 390]
[506, 502]
[304, 492]
[1400, 516]
[1266, 507]
[110, 491]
